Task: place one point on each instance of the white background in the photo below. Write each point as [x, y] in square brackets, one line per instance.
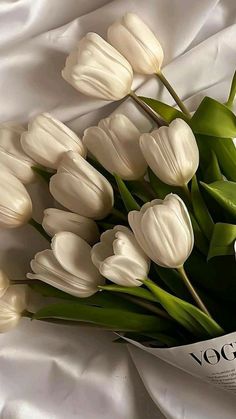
[55, 372]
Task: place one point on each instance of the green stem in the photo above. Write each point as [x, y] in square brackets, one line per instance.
[146, 108]
[173, 93]
[39, 228]
[119, 214]
[192, 291]
[187, 194]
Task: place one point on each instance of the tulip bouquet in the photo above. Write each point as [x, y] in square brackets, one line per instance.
[143, 232]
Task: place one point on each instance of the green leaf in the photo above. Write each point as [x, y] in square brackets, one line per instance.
[222, 242]
[214, 119]
[212, 172]
[200, 210]
[135, 291]
[232, 92]
[162, 189]
[189, 316]
[119, 320]
[167, 112]
[200, 240]
[100, 299]
[43, 173]
[225, 151]
[128, 199]
[173, 280]
[140, 190]
[224, 192]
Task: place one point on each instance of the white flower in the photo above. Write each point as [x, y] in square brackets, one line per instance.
[164, 231]
[119, 258]
[12, 156]
[47, 139]
[81, 188]
[171, 152]
[12, 305]
[15, 202]
[67, 266]
[56, 220]
[133, 38]
[115, 144]
[4, 282]
[96, 69]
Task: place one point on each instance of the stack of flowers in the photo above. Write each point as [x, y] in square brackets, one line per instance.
[142, 238]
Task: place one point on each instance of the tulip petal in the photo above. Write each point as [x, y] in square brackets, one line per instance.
[123, 271]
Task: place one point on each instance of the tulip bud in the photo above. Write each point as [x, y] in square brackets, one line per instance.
[15, 202]
[12, 304]
[119, 258]
[47, 139]
[164, 231]
[96, 69]
[12, 156]
[171, 152]
[115, 144]
[67, 266]
[81, 188]
[133, 38]
[4, 283]
[56, 220]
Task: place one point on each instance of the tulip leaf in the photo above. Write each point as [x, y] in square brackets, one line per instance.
[44, 174]
[167, 112]
[135, 291]
[212, 172]
[114, 319]
[222, 241]
[128, 200]
[214, 119]
[186, 314]
[224, 192]
[232, 92]
[200, 240]
[161, 189]
[200, 210]
[100, 299]
[172, 279]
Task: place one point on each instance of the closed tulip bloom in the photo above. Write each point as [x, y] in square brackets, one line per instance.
[96, 69]
[171, 152]
[134, 39]
[47, 139]
[56, 220]
[115, 144]
[4, 282]
[12, 156]
[15, 202]
[119, 258]
[164, 231]
[81, 188]
[67, 266]
[12, 305]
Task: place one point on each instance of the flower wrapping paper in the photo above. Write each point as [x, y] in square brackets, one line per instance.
[31, 57]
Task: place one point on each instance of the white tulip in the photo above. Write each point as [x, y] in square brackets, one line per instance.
[164, 231]
[115, 144]
[15, 202]
[134, 39]
[67, 266]
[56, 220]
[12, 156]
[81, 188]
[4, 282]
[12, 305]
[96, 69]
[171, 152]
[119, 258]
[47, 139]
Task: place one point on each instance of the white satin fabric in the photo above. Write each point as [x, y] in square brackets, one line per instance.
[49, 371]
